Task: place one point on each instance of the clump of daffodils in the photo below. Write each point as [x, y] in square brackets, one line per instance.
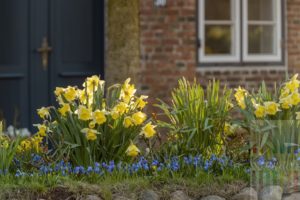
[266, 105]
[271, 117]
[94, 124]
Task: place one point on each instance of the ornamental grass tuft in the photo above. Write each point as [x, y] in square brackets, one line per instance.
[196, 119]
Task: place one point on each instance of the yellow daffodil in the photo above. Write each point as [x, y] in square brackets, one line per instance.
[5, 144]
[148, 131]
[260, 111]
[293, 84]
[70, 93]
[42, 130]
[115, 115]
[99, 117]
[138, 118]
[284, 93]
[92, 83]
[132, 150]
[92, 124]
[90, 134]
[240, 97]
[140, 103]
[127, 122]
[297, 115]
[121, 108]
[127, 92]
[271, 108]
[84, 113]
[26, 145]
[286, 102]
[64, 109]
[295, 98]
[35, 142]
[58, 91]
[43, 112]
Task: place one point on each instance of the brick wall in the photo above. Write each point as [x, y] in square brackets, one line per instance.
[168, 49]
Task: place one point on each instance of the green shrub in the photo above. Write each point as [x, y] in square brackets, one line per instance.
[196, 119]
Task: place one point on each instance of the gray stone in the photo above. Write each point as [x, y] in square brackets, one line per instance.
[212, 197]
[179, 195]
[294, 196]
[271, 193]
[149, 195]
[92, 197]
[246, 194]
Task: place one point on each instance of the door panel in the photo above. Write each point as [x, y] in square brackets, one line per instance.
[14, 62]
[77, 34]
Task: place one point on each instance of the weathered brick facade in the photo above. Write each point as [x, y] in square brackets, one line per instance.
[168, 45]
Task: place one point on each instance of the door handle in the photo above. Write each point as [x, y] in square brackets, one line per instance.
[44, 51]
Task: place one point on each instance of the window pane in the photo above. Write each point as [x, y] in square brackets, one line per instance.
[217, 39]
[261, 39]
[260, 10]
[217, 10]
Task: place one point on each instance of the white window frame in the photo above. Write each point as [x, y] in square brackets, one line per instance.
[239, 36]
[235, 37]
[277, 37]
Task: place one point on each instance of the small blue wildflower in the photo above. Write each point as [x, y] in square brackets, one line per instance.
[89, 170]
[261, 161]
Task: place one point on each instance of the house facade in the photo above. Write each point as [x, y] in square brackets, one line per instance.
[44, 44]
[239, 42]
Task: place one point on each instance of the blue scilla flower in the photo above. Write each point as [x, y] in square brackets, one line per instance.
[160, 167]
[135, 167]
[76, 170]
[188, 160]
[44, 169]
[271, 165]
[97, 164]
[89, 170]
[197, 161]
[35, 158]
[97, 170]
[111, 166]
[17, 163]
[19, 173]
[213, 157]
[261, 161]
[207, 165]
[143, 163]
[297, 151]
[174, 165]
[155, 162]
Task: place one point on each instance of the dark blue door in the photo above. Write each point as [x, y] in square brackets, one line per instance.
[44, 44]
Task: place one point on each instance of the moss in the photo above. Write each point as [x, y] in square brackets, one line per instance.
[122, 40]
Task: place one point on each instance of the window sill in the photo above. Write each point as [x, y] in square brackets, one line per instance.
[220, 68]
